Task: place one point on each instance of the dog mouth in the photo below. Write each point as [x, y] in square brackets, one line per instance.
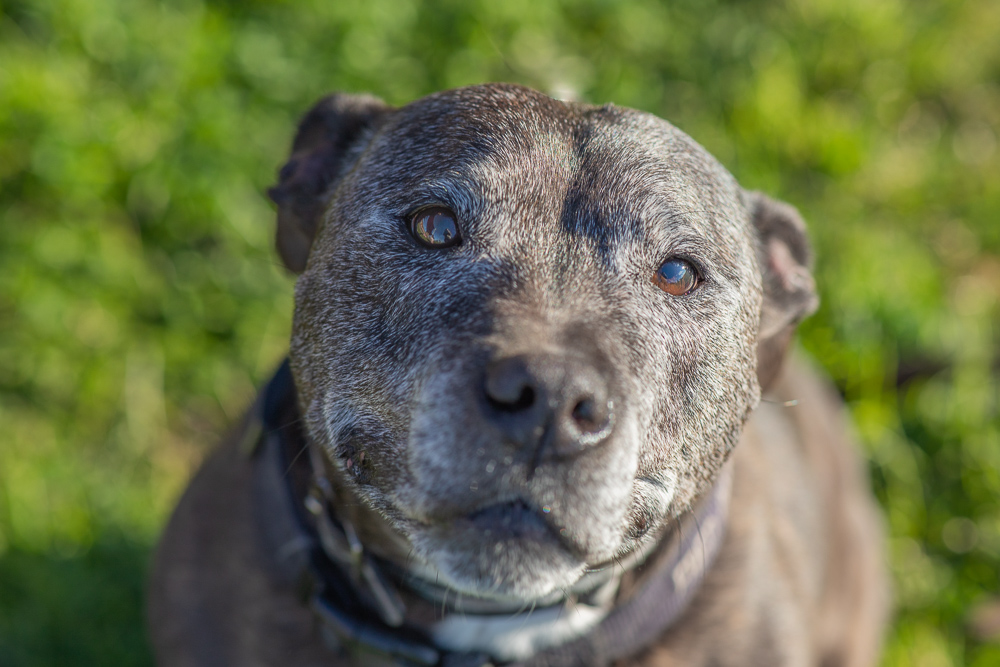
[507, 549]
[512, 520]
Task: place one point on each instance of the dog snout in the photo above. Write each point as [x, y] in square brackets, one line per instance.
[559, 405]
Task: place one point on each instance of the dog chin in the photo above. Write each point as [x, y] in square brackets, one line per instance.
[501, 553]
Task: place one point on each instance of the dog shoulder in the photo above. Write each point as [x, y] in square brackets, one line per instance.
[212, 600]
[800, 569]
[855, 597]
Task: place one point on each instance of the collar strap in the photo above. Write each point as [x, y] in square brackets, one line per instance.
[358, 605]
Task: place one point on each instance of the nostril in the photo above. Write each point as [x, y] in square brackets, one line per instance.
[585, 415]
[510, 387]
[524, 400]
[593, 420]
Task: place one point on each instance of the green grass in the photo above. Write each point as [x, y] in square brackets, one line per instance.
[141, 302]
[74, 609]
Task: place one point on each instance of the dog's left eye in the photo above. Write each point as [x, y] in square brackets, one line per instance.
[435, 227]
[676, 277]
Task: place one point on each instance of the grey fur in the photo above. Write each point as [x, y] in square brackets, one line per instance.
[567, 211]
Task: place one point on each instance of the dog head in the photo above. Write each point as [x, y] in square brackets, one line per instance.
[527, 333]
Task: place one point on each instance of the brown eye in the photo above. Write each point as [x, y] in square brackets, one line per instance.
[676, 277]
[435, 228]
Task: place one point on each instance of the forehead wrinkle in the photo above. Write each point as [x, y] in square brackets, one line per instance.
[610, 196]
[488, 120]
[546, 159]
[685, 191]
[535, 192]
[524, 189]
[458, 189]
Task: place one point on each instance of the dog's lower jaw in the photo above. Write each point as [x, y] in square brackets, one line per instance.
[538, 577]
[522, 570]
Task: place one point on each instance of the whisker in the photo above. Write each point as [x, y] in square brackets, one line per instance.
[785, 404]
[291, 464]
[704, 550]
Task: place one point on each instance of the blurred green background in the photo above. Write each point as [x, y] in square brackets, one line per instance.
[141, 301]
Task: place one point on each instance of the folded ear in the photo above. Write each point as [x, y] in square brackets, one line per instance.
[329, 140]
[789, 290]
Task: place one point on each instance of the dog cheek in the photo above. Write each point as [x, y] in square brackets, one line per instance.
[444, 479]
[651, 502]
[708, 388]
[476, 567]
[443, 452]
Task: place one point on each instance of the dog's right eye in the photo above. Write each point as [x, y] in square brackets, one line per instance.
[676, 277]
[435, 228]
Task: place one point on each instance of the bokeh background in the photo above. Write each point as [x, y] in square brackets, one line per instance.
[141, 302]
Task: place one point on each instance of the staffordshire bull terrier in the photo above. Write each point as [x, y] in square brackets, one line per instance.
[521, 418]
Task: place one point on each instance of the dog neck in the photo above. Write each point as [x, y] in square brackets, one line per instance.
[368, 605]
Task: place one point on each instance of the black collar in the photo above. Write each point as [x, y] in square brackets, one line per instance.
[356, 596]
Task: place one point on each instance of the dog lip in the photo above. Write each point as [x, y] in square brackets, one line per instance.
[505, 550]
[517, 519]
[504, 512]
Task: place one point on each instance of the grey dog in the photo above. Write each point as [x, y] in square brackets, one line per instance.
[522, 419]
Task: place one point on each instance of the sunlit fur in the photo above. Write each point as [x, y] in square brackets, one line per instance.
[566, 211]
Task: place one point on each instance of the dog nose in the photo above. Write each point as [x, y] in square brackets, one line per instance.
[560, 405]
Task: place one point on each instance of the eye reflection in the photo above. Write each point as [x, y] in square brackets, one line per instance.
[435, 228]
[676, 277]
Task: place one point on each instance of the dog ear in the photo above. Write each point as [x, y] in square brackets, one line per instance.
[329, 140]
[789, 290]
